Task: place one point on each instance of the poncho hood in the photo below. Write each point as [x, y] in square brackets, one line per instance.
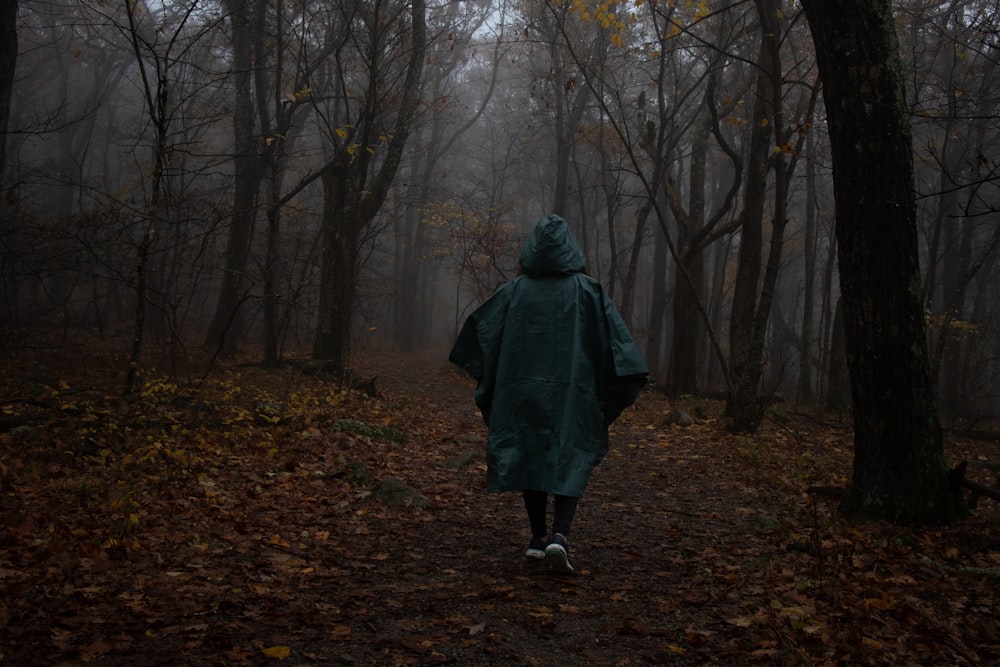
[551, 249]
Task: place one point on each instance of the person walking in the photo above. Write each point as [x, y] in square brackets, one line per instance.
[554, 365]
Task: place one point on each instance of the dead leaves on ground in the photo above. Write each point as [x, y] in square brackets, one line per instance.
[239, 521]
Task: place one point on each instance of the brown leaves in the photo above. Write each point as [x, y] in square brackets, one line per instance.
[241, 520]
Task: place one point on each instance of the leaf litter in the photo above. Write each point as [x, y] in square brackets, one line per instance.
[265, 516]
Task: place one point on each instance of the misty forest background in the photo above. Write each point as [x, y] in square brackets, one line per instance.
[287, 179]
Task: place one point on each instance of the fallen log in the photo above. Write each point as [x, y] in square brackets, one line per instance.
[956, 480]
[982, 489]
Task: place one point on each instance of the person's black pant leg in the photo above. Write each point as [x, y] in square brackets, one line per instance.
[565, 510]
[536, 502]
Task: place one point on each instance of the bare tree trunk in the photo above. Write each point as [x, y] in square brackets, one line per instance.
[715, 371]
[225, 331]
[829, 321]
[900, 472]
[804, 393]
[341, 231]
[156, 105]
[632, 271]
[8, 63]
[688, 327]
[743, 409]
[838, 382]
[657, 306]
[408, 269]
[271, 262]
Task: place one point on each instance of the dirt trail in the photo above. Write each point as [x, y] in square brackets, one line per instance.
[660, 541]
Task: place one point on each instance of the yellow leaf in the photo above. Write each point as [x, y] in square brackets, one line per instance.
[763, 122]
[341, 132]
[279, 652]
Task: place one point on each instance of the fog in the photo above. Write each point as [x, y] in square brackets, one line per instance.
[248, 174]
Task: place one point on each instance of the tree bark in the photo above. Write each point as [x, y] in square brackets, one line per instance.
[804, 391]
[8, 63]
[341, 231]
[743, 408]
[224, 331]
[837, 395]
[688, 326]
[900, 473]
[657, 306]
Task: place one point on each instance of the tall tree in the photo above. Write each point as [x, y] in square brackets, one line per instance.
[8, 60]
[282, 106]
[247, 174]
[156, 50]
[391, 43]
[805, 390]
[900, 473]
[756, 282]
[746, 341]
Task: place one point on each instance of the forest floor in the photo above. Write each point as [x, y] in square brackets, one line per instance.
[256, 517]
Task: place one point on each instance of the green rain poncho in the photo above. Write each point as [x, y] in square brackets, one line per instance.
[555, 366]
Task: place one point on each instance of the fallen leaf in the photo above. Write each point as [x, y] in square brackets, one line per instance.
[279, 652]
